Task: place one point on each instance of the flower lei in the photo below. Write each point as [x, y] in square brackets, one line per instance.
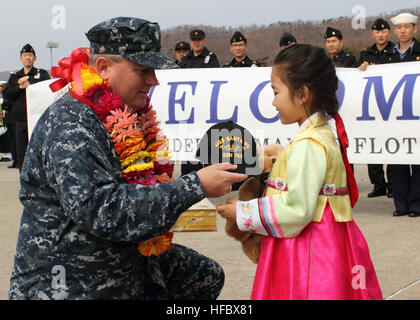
[137, 139]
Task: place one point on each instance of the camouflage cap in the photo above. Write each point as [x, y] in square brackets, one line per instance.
[134, 39]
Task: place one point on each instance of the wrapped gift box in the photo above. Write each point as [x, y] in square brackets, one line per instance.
[199, 217]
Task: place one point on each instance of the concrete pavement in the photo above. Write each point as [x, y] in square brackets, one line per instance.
[393, 242]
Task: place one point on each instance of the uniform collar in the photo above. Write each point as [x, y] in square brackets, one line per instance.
[203, 53]
[31, 72]
[316, 119]
[339, 55]
[403, 54]
[234, 61]
[388, 49]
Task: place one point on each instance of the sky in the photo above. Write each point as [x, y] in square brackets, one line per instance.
[65, 21]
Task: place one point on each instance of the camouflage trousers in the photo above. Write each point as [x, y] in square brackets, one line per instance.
[183, 274]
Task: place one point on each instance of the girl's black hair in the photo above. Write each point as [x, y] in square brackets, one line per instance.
[306, 65]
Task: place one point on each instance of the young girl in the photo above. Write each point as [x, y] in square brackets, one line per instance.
[312, 248]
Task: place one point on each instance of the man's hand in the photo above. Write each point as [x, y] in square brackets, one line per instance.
[364, 65]
[217, 180]
[23, 82]
[228, 210]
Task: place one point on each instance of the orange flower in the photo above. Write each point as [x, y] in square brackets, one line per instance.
[119, 147]
[156, 245]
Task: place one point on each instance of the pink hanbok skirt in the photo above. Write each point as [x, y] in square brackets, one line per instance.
[327, 260]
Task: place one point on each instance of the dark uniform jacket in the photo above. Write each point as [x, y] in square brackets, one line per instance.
[17, 97]
[344, 60]
[205, 59]
[413, 54]
[247, 62]
[80, 215]
[374, 56]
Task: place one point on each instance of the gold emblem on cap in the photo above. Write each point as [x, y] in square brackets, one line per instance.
[382, 26]
[196, 33]
[333, 33]
[181, 44]
[418, 58]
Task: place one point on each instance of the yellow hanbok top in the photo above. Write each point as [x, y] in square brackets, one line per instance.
[307, 174]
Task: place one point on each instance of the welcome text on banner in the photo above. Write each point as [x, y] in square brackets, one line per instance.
[380, 108]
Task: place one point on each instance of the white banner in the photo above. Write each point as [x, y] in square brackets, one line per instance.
[380, 108]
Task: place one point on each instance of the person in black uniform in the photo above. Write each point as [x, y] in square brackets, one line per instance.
[15, 93]
[239, 47]
[9, 121]
[379, 53]
[334, 44]
[406, 178]
[181, 49]
[286, 40]
[199, 56]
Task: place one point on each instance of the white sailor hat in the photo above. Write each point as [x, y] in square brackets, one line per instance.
[404, 18]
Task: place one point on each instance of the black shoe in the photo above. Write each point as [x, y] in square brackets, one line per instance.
[5, 159]
[390, 194]
[414, 214]
[377, 193]
[13, 165]
[400, 213]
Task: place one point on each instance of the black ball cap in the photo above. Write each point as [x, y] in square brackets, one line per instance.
[27, 48]
[331, 32]
[228, 142]
[182, 45]
[197, 34]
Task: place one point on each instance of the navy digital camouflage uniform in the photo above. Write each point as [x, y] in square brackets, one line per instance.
[81, 218]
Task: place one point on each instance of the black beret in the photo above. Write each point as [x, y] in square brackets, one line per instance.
[237, 37]
[287, 39]
[380, 24]
[182, 45]
[331, 32]
[134, 39]
[197, 34]
[27, 48]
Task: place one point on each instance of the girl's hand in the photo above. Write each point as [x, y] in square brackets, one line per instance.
[228, 210]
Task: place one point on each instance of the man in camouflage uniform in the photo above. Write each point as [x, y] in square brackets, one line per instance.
[334, 44]
[239, 47]
[81, 222]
